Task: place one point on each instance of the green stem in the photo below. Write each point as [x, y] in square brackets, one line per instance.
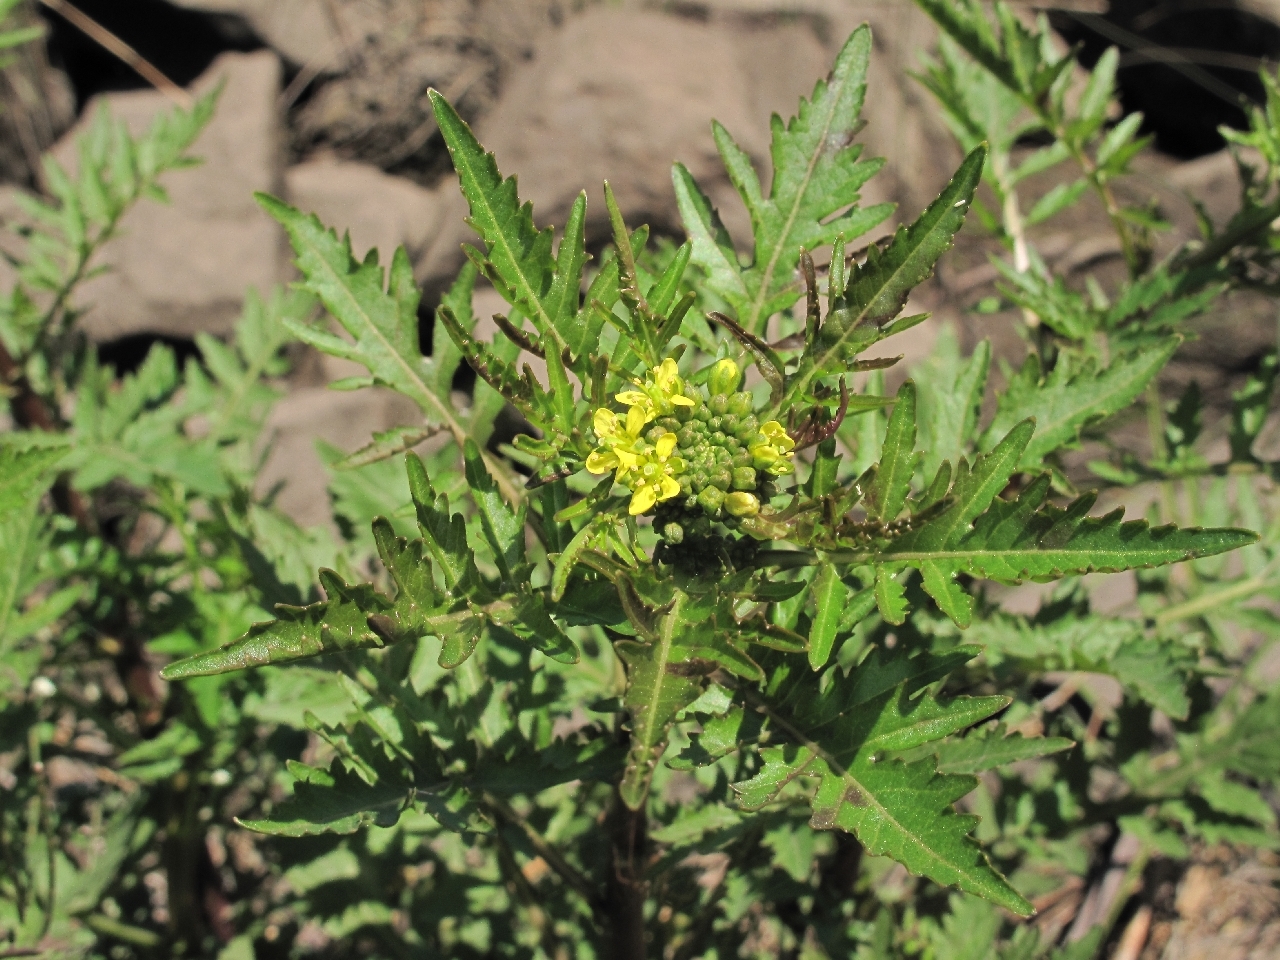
[567, 872]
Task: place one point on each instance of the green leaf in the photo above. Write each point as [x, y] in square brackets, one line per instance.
[655, 694]
[334, 801]
[903, 810]
[25, 474]
[1028, 538]
[890, 596]
[503, 527]
[992, 748]
[877, 289]
[816, 173]
[829, 595]
[519, 260]
[1249, 407]
[1072, 397]
[887, 493]
[951, 391]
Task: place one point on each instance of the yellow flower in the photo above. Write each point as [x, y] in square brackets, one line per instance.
[660, 392]
[620, 443]
[653, 479]
[773, 450]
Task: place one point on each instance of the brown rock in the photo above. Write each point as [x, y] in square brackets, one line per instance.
[304, 32]
[379, 210]
[183, 267]
[620, 95]
[308, 414]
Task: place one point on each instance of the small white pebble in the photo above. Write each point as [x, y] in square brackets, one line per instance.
[42, 688]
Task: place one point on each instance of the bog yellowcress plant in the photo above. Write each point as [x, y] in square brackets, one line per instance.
[673, 622]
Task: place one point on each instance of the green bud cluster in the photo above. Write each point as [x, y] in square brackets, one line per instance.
[722, 480]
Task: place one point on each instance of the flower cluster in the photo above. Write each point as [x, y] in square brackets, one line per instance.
[676, 442]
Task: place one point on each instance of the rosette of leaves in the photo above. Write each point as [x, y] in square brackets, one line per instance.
[740, 628]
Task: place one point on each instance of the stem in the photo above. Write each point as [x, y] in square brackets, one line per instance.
[1198, 606]
[625, 886]
[109, 41]
[567, 872]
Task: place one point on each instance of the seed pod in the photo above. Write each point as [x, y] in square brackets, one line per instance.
[741, 404]
[710, 499]
[725, 377]
[741, 504]
[744, 478]
[719, 404]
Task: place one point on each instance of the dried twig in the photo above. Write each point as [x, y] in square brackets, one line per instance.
[109, 41]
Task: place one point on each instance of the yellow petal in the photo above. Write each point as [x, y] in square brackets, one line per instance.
[680, 400]
[637, 417]
[665, 445]
[642, 500]
[601, 461]
[605, 423]
[633, 398]
[668, 489]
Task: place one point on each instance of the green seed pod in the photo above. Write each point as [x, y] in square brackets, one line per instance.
[673, 533]
[725, 377]
[748, 427]
[721, 477]
[710, 499]
[741, 404]
[741, 504]
[719, 404]
[744, 478]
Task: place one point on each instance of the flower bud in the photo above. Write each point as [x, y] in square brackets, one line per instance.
[744, 478]
[710, 499]
[741, 404]
[725, 377]
[721, 477]
[673, 533]
[740, 504]
[719, 404]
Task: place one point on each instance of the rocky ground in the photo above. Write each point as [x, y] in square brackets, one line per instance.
[324, 104]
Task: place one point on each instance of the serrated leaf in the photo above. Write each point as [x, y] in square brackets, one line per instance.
[890, 596]
[1071, 398]
[334, 801]
[993, 748]
[816, 173]
[1029, 539]
[518, 254]
[503, 526]
[829, 596]
[25, 474]
[950, 399]
[903, 810]
[877, 289]
[887, 493]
